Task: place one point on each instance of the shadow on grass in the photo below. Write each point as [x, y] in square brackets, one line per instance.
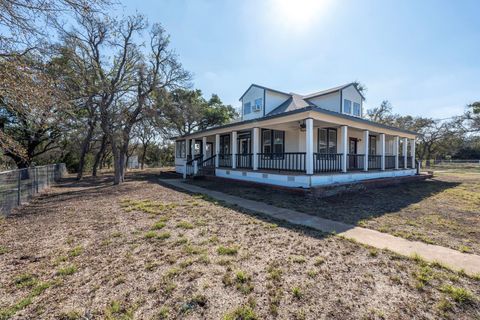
[348, 208]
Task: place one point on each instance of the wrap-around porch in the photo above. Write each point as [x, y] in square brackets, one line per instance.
[310, 147]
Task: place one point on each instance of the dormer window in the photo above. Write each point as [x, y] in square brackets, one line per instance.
[247, 108]
[258, 104]
[356, 109]
[347, 106]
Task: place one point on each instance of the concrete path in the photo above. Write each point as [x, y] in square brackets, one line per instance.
[456, 260]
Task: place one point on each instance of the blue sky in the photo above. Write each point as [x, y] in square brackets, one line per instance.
[423, 56]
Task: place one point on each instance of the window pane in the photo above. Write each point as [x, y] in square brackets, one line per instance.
[266, 137]
[247, 108]
[332, 141]
[322, 141]
[347, 106]
[356, 109]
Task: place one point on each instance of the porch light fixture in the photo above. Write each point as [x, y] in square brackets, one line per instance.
[303, 126]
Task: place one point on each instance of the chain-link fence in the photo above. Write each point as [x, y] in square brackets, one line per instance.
[19, 186]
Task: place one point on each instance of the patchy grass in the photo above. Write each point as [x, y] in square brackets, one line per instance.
[442, 210]
[227, 251]
[233, 264]
[67, 271]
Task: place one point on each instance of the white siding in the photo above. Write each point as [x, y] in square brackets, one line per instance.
[273, 100]
[329, 101]
[250, 96]
[350, 93]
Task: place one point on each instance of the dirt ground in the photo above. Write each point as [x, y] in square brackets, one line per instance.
[91, 250]
[444, 210]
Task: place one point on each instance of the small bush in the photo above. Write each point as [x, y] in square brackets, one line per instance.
[3, 250]
[163, 235]
[465, 249]
[227, 251]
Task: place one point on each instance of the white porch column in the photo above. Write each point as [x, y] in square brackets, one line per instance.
[256, 147]
[344, 146]
[405, 153]
[396, 142]
[309, 146]
[192, 148]
[366, 135]
[412, 152]
[234, 149]
[382, 149]
[217, 150]
[204, 147]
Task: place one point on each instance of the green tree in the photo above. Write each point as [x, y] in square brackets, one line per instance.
[185, 111]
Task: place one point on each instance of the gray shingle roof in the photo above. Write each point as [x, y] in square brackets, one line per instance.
[295, 102]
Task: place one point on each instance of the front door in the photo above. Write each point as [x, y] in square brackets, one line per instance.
[352, 149]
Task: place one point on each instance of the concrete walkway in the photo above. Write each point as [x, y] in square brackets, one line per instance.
[456, 260]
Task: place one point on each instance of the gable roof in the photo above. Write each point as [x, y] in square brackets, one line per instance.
[262, 87]
[331, 90]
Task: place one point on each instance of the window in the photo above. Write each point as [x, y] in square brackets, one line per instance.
[180, 149]
[347, 106]
[247, 108]
[372, 145]
[356, 109]
[273, 141]
[258, 104]
[266, 141]
[225, 144]
[327, 140]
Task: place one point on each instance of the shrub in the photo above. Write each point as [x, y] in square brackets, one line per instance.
[460, 295]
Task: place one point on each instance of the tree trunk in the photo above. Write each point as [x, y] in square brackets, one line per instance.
[85, 149]
[144, 153]
[99, 156]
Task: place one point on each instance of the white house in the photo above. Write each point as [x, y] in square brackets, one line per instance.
[297, 140]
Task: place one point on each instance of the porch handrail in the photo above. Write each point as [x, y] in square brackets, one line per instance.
[286, 161]
[327, 162]
[208, 163]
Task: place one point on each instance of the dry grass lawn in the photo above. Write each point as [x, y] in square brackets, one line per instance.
[91, 250]
[444, 210]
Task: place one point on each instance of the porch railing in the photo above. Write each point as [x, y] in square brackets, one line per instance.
[244, 160]
[327, 162]
[401, 162]
[374, 162]
[409, 162]
[356, 161]
[208, 163]
[389, 162]
[225, 160]
[288, 161]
